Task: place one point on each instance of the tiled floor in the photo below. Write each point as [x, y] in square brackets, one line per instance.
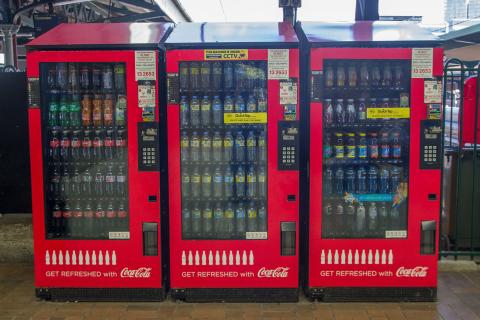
[458, 298]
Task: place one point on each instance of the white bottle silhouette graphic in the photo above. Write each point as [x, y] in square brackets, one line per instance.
[217, 258]
[224, 258]
[377, 257]
[197, 258]
[87, 258]
[100, 258]
[94, 258]
[370, 257]
[54, 258]
[390, 256]
[184, 258]
[67, 258]
[237, 258]
[357, 257]
[230, 258]
[250, 258]
[74, 258]
[384, 257]
[114, 258]
[363, 257]
[244, 258]
[210, 258]
[349, 257]
[107, 258]
[335, 261]
[204, 258]
[60, 258]
[47, 258]
[322, 257]
[80, 258]
[329, 257]
[342, 257]
[190, 258]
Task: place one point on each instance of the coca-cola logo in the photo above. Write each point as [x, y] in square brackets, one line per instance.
[416, 272]
[280, 272]
[142, 272]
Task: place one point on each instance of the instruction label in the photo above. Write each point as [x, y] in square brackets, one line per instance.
[230, 54]
[288, 92]
[422, 62]
[278, 64]
[146, 95]
[388, 113]
[145, 65]
[247, 117]
[432, 91]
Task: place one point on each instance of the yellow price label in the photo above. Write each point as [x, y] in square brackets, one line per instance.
[247, 117]
[227, 54]
[388, 113]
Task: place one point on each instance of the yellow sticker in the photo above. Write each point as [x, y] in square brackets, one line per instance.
[228, 54]
[388, 113]
[249, 117]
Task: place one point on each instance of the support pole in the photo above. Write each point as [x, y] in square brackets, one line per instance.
[9, 42]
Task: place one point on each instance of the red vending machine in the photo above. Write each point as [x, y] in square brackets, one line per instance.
[233, 161]
[94, 135]
[374, 186]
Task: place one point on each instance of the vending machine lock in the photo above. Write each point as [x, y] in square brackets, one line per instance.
[150, 239]
[288, 238]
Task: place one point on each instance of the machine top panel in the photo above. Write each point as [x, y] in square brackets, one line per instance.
[362, 33]
[233, 33]
[103, 35]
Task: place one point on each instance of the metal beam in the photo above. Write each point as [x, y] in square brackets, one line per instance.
[366, 10]
[174, 10]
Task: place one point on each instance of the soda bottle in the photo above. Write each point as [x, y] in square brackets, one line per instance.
[195, 147]
[53, 113]
[186, 221]
[327, 148]
[87, 180]
[252, 217]
[395, 222]
[352, 76]
[185, 183]
[62, 77]
[218, 220]
[395, 179]
[350, 180]
[111, 217]
[375, 76]
[110, 182]
[120, 145]
[99, 220]
[262, 182]
[72, 78]
[360, 218]
[240, 219]
[108, 110]
[262, 219]
[64, 112]
[340, 76]
[228, 180]
[97, 146]
[361, 110]
[217, 146]
[76, 183]
[119, 77]
[361, 180]
[262, 147]
[184, 146]
[99, 180]
[228, 146]
[54, 146]
[351, 113]
[96, 77]
[261, 101]
[52, 78]
[122, 214]
[121, 179]
[196, 220]
[195, 182]
[384, 180]
[206, 146]
[373, 146]
[372, 180]
[239, 104]
[65, 146]
[183, 75]
[251, 147]
[350, 218]
[251, 183]
[195, 112]
[120, 108]
[328, 182]
[205, 108]
[339, 112]
[339, 226]
[362, 145]
[339, 179]
[75, 112]
[372, 217]
[251, 74]
[55, 181]
[384, 146]
[328, 117]
[329, 76]
[86, 146]
[239, 76]
[228, 75]
[97, 111]
[194, 76]
[228, 105]
[396, 146]
[251, 104]
[239, 147]
[364, 75]
[205, 75]
[107, 78]
[87, 223]
[387, 76]
[351, 146]
[77, 217]
[398, 76]
[86, 111]
[65, 182]
[207, 220]
[216, 75]
[84, 77]
[218, 183]
[339, 147]
[206, 183]
[383, 216]
[67, 215]
[109, 145]
[240, 182]
[217, 111]
[229, 215]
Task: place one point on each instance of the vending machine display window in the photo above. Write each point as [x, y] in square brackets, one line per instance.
[223, 159]
[85, 147]
[366, 127]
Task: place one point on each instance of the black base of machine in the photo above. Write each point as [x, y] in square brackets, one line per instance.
[378, 294]
[101, 294]
[236, 295]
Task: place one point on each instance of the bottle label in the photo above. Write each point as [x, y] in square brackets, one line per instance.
[227, 143]
[261, 178]
[57, 214]
[327, 151]
[207, 179]
[195, 143]
[65, 143]
[120, 142]
[122, 213]
[184, 143]
[217, 179]
[252, 214]
[385, 151]
[240, 214]
[240, 178]
[122, 179]
[108, 117]
[206, 144]
[111, 214]
[196, 179]
[109, 142]
[97, 116]
[251, 178]
[217, 143]
[67, 214]
[362, 151]
[110, 179]
[207, 214]
[351, 152]
[100, 214]
[240, 143]
[88, 214]
[251, 143]
[374, 151]
[229, 214]
[76, 143]
[339, 151]
[195, 107]
[397, 151]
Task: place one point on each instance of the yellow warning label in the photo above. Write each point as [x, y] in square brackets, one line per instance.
[249, 117]
[227, 54]
[388, 113]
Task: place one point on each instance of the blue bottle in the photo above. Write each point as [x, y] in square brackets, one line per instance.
[372, 180]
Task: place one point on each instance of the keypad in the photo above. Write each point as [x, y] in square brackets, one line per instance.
[288, 155]
[430, 153]
[148, 155]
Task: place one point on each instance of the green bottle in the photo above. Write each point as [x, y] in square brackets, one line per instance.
[75, 117]
[64, 114]
[53, 114]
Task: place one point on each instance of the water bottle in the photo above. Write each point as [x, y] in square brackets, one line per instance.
[239, 147]
[328, 107]
[195, 112]
[360, 218]
[384, 179]
[350, 180]
[217, 146]
[383, 216]
[261, 101]
[206, 146]
[194, 75]
[262, 182]
[205, 75]
[251, 147]
[184, 112]
[262, 147]
[205, 108]
[395, 179]
[196, 220]
[251, 183]
[239, 75]
[351, 113]
[240, 182]
[350, 218]
[228, 181]
[239, 104]
[240, 219]
[228, 104]
[251, 104]
[207, 220]
[217, 183]
[184, 146]
[206, 183]
[395, 218]
[195, 147]
[229, 216]
[372, 217]
[339, 176]
[185, 183]
[228, 75]
[339, 112]
[328, 182]
[328, 221]
[252, 217]
[361, 110]
[217, 75]
[361, 180]
[217, 111]
[384, 146]
[218, 219]
[186, 221]
[195, 182]
[372, 180]
[339, 219]
[228, 147]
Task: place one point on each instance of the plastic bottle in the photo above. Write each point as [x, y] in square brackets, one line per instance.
[364, 75]
[205, 111]
[65, 146]
[228, 146]
[195, 112]
[64, 112]
[228, 75]
[185, 183]
[196, 220]
[362, 146]
[184, 146]
[217, 111]
[240, 219]
[229, 215]
[239, 147]
[262, 147]
[207, 220]
[372, 217]
[339, 178]
[383, 216]
[194, 76]
[195, 182]
[98, 145]
[251, 147]
[240, 182]
[361, 180]
[339, 112]
[87, 181]
[338, 146]
[352, 76]
[54, 146]
[373, 146]
[206, 183]
[395, 177]
[384, 146]
[186, 221]
[361, 111]
[262, 182]
[350, 180]
[396, 146]
[205, 75]
[351, 147]
[372, 180]
[328, 116]
[228, 181]
[206, 146]
[349, 218]
[251, 183]
[252, 217]
[216, 75]
[328, 182]
[339, 219]
[218, 183]
[110, 182]
[217, 147]
[53, 113]
[251, 104]
[240, 104]
[384, 180]
[351, 114]
[76, 145]
[228, 105]
[195, 147]
[261, 101]
[109, 145]
[184, 112]
[327, 147]
[340, 76]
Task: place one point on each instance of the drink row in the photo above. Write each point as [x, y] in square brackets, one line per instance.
[365, 74]
[218, 148]
[224, 184]
[97, 111]
[87, 145]
[217, 75]
[360, 180]
[359, 146]
[70, 181]
[87, 219]
[204, 112]
[227, 220]
[88, 76]
[348, 220]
